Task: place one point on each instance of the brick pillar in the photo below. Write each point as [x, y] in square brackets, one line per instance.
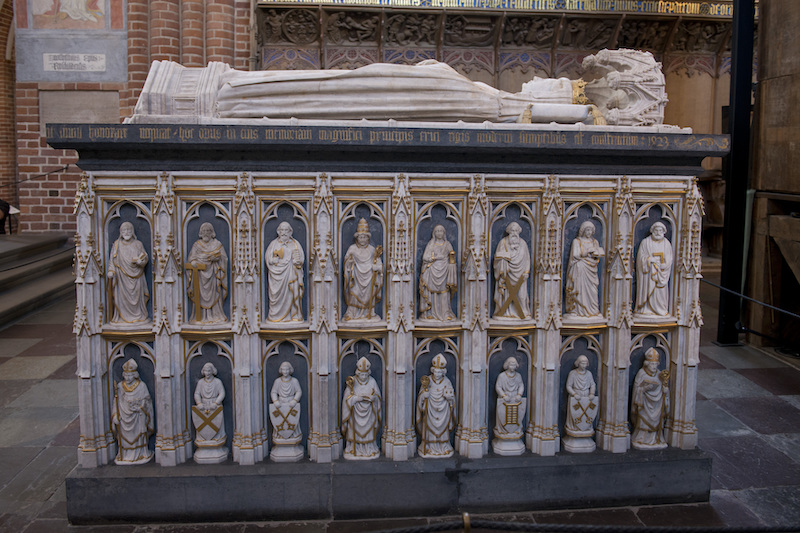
[244, 45]
[220, 30]
[193, 52]
[165, 30]
[138, 53]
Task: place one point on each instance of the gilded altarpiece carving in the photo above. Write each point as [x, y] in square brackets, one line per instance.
[498, 251]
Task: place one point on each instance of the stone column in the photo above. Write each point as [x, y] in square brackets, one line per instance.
[250, 440]
[97, 445]
[681, 427]
[612, 426]
[400, 438]
[324, 443]
[173, 440]
[542, 433]
[472, 435]
[193, 53]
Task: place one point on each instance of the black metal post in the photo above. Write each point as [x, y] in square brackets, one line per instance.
[737, 166]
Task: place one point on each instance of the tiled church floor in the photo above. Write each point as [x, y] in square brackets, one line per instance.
[748, 412]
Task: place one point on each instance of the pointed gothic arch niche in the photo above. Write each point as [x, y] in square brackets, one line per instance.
[430, 215]
[500, 349]
[220, 354]
[218, 215]
[296, 352]
[572, 348]
[503, 214]
[139, 215]
[296, 215]
[142, 353]
[374, 212]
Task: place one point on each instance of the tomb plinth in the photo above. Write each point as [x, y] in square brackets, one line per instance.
[431, 287]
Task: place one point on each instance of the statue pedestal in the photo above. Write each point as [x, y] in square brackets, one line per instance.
[578, 444]
[508, 447]
[210, 455]
[286, 453]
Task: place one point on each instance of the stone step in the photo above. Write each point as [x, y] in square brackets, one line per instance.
[35, 269]
[30, 268]
[19, 249]
[23, 299]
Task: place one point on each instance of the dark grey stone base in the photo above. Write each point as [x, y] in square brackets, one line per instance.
[384, 488]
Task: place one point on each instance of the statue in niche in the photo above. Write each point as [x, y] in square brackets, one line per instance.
[436, 406]
[361, 414]
[132, 417]
[284, 413]
[649, 404]
[653, 269]
[438, 280]
[582, 279]
[208, 418]
[510, 411]
[363, 276]
[208, 282]
[512, 266]
[285, 258]
[582, 408]
[129, 292]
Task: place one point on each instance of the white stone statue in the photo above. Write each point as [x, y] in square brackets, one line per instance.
[129, 292]
[361, 414]
[438, 279]
[582, 406]
[284, 414]
[649, 404]
[381, 91]
[363, 276]
[285, 259]
[208, 418]
[208, 281]
[582, 279]
[132, 417]
[653, 269]
[510, 411]
[512, 266]
[436, 408]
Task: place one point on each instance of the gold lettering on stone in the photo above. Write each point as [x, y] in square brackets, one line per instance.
[154, 134]
[390, 136]
[106, 132]
[542, 138]
[458, 137]
[185, 134]
[344, 135]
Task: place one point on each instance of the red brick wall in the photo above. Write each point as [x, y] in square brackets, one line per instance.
[190, 31]
[8, 149]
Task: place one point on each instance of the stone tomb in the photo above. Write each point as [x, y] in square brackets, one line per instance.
[398, 268]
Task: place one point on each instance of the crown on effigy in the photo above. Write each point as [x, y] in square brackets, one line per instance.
[651, 355]
[363, 365]
[130, 366]
[363, 227]
[439, 361]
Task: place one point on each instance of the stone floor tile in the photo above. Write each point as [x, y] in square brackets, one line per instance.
[286, 527]
[43, 476]
[698, 515]
[54, 510]
[775, 506]
[699, 397]
[39, 367]
[597, 517]
[60, 312]
[48, 525]
[13, 460]
[216, 527]
[22, 331]
[71, 436]
[14, 347]
[732, 511]
[706, 363]
[748, 462]
[740, 357]
[28, 510]
[765, 415]
[56, 346]
[713, 421]
[369, 525]
[775, 380]
[11, 389]
[68, 371]
[788, 443]
[726, 384]
[36, 426]
[793, 399]
[49, 393]
[13, 522]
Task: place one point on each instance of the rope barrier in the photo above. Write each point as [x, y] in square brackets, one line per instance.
[784, 311]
